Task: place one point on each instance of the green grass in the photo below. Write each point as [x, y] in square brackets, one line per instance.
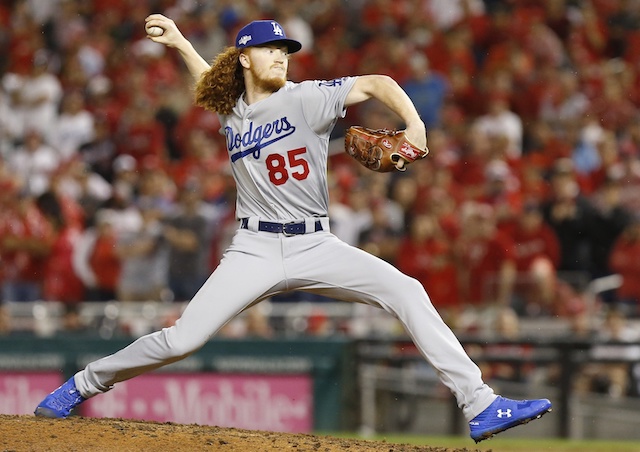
[506, 444]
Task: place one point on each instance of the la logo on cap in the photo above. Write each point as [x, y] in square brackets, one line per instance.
[277, 30]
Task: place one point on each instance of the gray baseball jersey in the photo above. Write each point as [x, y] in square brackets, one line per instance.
[280, 162]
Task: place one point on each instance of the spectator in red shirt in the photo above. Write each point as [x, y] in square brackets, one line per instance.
[159, 69]
[588, 36]
[452, 48]
[501, 191]
[95, 259]
[463, 93]
[26, 238]
[612, 108]
[140, 135]
[391, 49]
[60, 282]
[204, 161]
[537, 253]
[103, 103]
[533, 184]
[197, 119]
[427, 255]
[468, 171]
[485, 258]
[105, 262]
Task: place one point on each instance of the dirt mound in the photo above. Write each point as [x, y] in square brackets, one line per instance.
[28, 433]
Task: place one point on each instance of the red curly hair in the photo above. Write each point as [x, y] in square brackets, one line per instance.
[220, 87]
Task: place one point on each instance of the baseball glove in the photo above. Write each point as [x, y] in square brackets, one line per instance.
[381, 150]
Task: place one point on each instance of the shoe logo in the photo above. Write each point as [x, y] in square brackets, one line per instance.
[506, 413]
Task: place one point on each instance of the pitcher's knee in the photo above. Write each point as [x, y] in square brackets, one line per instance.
[181, 345]
[407, 290]
[412, 286]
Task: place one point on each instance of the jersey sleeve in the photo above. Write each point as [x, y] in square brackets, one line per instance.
[323, 102]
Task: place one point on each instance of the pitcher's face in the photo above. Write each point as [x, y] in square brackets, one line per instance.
[267, 66]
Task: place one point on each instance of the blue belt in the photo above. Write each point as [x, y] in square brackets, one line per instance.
[290, 228]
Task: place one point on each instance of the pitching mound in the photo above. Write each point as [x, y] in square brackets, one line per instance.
[28, 433]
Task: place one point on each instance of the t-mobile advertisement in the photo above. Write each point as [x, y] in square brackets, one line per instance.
[21, 392]
[255, 402]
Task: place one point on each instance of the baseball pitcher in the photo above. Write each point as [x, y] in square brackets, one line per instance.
[277, 135]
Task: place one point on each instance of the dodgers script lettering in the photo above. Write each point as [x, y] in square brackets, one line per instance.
[258, 137]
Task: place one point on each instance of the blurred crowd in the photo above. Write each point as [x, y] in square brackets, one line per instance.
[113, 186]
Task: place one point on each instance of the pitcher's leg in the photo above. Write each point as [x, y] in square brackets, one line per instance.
[347, 273]
[239, 280]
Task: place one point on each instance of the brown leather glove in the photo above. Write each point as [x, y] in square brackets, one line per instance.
[381, 150]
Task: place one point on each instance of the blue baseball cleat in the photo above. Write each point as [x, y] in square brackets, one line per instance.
[505, 413]
[60, 402]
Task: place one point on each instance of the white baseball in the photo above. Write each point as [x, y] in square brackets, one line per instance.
[154, 31]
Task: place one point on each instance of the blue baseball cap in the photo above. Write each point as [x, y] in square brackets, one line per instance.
[261, 32]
